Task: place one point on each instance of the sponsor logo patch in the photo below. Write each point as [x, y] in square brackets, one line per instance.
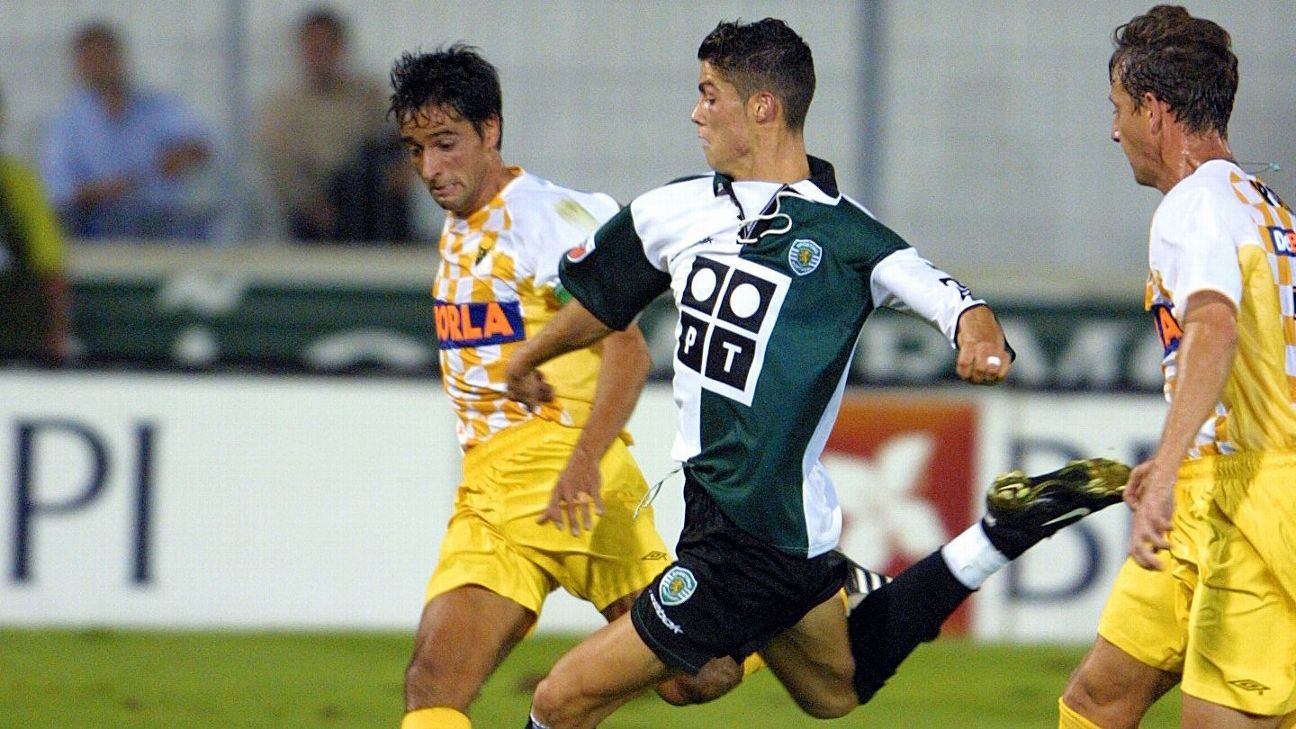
[478, 323]
[677, 585]
[727, 311]
[1283, 241]
[580, 252]
[804, 256]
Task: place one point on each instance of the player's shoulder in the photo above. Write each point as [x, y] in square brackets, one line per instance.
[676, 196]
[533, 198]
[860, 227]
[1210, 189]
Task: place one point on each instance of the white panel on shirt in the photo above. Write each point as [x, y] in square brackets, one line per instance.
[1195, 234]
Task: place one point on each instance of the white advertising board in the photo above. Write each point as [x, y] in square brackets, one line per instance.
[248, 501]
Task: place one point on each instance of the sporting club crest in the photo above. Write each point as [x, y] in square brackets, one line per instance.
[677, 585]
[804, 256]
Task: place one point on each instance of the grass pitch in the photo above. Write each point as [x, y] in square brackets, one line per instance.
[108, 678]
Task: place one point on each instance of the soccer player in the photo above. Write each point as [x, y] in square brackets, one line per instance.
[1208, 596]
[774, 272]
[504, 234]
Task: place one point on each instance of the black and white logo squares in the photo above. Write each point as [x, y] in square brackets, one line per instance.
[729, 358]
[727, 311]
[703, 288]
[692, 341]
[746, 300]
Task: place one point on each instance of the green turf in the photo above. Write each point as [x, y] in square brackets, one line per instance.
[110, 678]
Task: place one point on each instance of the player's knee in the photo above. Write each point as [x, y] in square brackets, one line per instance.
[554, 701]
[831, 697]
[715, 679]
[828, 705]
[428, 683]
[1097, 699]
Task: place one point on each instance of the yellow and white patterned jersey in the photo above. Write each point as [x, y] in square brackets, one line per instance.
[1223, 230]
[496, 285]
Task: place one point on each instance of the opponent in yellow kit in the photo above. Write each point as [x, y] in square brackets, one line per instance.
[1208, 598]
[549, 495]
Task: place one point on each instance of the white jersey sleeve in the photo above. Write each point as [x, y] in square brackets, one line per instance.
[907, 282]
[1193, 247]
[572, 217]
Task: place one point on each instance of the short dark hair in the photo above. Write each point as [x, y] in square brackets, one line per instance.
[1186, 62]
[457, 78]
[327, 17]
[97, 31]
[765, 55]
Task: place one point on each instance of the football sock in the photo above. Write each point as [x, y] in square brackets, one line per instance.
[1069, 719]
[533, 724]
[894, 619]
[751, 664]
[439, 718]
[972, 557]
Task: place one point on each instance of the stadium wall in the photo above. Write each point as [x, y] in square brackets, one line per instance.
[218, 500]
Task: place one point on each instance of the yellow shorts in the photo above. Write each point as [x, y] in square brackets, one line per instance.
[493, 539]
[1224, 612]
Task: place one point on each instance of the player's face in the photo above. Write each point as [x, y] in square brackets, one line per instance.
[1131, 128]
[457, 164]
[722, 121]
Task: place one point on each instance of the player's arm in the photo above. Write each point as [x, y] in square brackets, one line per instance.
[1204, 361]
[572, 328]
[610, 280]
[625, 367]
[906, 282]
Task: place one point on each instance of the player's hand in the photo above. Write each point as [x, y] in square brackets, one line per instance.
[577, 488]
[983, 357]
[528, 386]
[1150, 493]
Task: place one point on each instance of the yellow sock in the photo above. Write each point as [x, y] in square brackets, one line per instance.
[438, 718]
[752, 664]
[1069, 719]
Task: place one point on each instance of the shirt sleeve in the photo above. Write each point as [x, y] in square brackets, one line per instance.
[906, 282]
[570, 220]
[58, 164]
[611, 275]
[1200, 253]
[35, 214]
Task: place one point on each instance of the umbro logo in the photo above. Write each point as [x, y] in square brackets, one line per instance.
[655, 556]
[1247, 684]
[1076, 513]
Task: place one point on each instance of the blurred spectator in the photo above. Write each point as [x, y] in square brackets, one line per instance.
[315, 137]
[371, 194]
[119, 159]
[33, 293]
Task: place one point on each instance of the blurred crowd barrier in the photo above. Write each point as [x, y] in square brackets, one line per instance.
[279, 308]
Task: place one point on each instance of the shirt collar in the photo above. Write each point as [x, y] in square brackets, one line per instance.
[820, 186]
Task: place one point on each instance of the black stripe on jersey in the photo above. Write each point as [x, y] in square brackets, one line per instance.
[615, 280]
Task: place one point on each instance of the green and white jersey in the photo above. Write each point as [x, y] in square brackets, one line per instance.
[773, 284]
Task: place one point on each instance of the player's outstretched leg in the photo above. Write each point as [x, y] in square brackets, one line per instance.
[891, 621]
[1022, 510]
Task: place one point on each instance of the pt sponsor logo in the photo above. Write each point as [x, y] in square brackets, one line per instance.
[677, 585]
[727, 311]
